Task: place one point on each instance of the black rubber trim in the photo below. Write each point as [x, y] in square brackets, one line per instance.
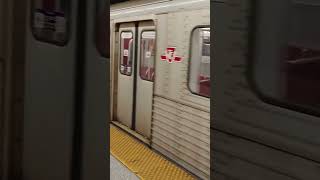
[135, 77]
[103, 53]
[80, 64]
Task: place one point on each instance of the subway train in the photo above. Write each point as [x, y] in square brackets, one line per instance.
[160, 77]
[265, 88]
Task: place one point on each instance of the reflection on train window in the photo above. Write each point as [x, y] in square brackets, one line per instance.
[292, 75]
[126, 52]
[50, 20]
[199, 72]
[147, 55]
[101, 35]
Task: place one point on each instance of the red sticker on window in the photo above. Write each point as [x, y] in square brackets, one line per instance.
[125, 52]
[170, 55]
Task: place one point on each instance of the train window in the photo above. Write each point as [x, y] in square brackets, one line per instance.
[199, 70]
[50, 21]
[286, 67]
[126, 53]
[102, 34]
[147, 55]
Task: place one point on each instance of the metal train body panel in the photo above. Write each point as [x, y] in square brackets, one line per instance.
[175, 121]
[49, 64]
[12, 64]
[244, 118]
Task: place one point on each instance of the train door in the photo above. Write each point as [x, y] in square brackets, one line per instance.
[136, 76]
[51, 56]
[145, 77]
[126, 73]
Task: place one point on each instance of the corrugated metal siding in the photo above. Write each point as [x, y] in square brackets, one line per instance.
[182, 133]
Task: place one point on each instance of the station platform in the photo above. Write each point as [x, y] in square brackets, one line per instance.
[131, 160]
[119, 172]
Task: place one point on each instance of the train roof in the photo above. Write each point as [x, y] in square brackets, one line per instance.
[143, 7]
[131, 3]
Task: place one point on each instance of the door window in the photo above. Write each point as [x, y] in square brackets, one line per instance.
[147, 55]
[50, 20]
[199, 72]
[126, 53]
[287, 67]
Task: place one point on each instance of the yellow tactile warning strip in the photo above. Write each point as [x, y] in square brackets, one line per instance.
[146, 164]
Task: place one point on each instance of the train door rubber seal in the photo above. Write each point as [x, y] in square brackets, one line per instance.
[80, 56]
[135, 77]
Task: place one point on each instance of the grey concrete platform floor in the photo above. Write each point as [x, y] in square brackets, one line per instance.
[119, 172]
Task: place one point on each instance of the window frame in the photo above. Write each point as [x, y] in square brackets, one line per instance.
[155, 52]
[250, 75]
[68, 26]
[120, 54]
[190, 59]
[96, 30]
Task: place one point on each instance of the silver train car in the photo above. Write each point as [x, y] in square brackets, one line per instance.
[160, 77]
